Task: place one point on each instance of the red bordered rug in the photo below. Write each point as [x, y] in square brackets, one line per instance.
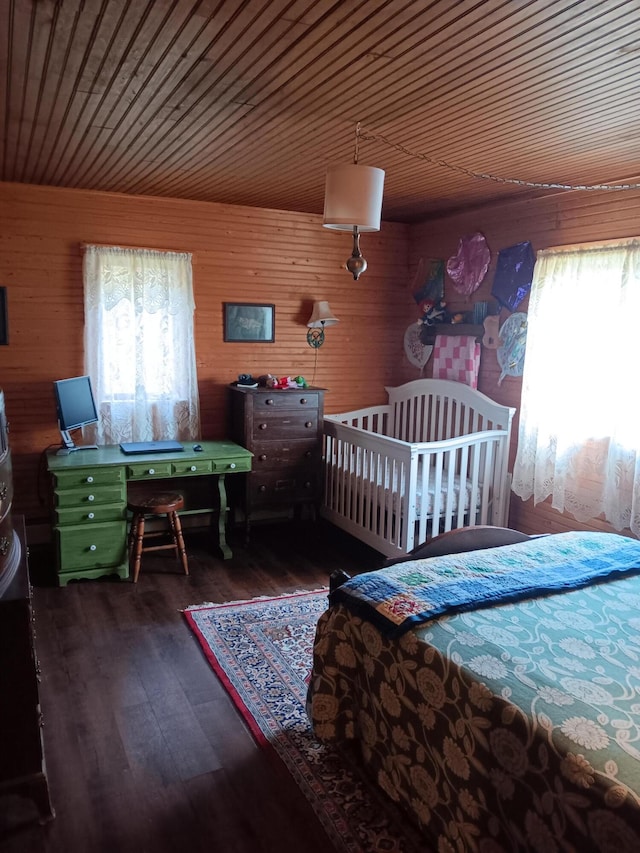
[261, 650]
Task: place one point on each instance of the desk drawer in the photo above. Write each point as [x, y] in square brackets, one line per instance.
[90, 514]
[76, 478]
[233, 465]
[92, 546]
[90, 496]
[190, 466]
[149, 470]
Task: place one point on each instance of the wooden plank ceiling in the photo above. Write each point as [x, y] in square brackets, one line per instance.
[247, 101]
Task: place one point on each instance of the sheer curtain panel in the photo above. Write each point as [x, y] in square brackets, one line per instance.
[139, 343]
[579, 432]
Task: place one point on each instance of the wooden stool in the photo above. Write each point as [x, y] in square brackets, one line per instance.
[167, 504]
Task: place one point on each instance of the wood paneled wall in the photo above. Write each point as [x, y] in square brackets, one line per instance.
[561, 218]
[239, 255]
[256, 255]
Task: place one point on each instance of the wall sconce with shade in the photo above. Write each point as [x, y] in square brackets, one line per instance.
[353, 202]
[321, 316]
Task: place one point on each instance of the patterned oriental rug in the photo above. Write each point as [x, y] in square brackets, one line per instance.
[262, 652]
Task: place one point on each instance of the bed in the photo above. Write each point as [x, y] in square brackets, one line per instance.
[510, 723]
[433, 459]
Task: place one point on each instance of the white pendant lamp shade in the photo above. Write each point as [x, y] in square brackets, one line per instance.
[321, 316]
[353, 197]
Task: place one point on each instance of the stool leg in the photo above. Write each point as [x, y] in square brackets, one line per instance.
[137, 546]
[176, 530]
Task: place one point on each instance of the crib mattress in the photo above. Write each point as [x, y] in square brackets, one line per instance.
[460, 489]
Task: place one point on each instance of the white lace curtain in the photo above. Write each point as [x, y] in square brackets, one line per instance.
[139, 343]
[579, 432]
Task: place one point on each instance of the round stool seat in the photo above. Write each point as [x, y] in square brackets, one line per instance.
[159, 504]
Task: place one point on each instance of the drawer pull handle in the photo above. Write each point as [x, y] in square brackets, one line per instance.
[4, 546]
[263, 457]
[93, 547]
[91, 497]
[304, 401]
[3, 491]
[307, 485]
[89, 479]
[91, 515]
[262, 489]
[269, 402]
[308, 454]
[151, 471]
[232, 465]
[193, 468]
[263, 426]
[308, 424]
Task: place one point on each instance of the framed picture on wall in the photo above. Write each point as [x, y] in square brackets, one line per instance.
[4, 320]
[249, 322]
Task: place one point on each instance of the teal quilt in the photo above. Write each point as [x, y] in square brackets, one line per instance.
[398, 597]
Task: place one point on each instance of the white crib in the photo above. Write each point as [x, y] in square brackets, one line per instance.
[433, 459]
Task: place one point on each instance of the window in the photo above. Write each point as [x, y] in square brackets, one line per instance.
[139, 343]
[579, 433]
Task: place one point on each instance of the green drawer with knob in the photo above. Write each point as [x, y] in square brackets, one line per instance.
[149, 470]
[73, 479]
[91, 547]
[91, 495]
[91, 514]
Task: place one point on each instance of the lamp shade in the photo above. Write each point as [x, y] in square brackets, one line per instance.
[353, 197]
[321, 316]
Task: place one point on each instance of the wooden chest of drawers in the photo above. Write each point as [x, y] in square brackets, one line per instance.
[283, 430]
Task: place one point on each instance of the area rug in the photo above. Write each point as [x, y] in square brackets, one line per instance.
[261, 650]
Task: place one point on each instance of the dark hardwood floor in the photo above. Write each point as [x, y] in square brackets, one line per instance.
[144, 749]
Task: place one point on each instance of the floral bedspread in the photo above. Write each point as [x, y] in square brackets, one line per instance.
[510, 728]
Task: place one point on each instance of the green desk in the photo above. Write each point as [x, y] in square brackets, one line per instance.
[90, 499]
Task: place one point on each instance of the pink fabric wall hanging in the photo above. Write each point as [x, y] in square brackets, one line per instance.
[457, 357]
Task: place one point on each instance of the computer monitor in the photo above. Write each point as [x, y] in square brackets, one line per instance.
[76, 408]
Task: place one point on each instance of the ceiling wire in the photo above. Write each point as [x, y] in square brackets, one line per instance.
[378, 137]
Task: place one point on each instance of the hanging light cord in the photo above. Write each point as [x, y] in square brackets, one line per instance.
[378, 137]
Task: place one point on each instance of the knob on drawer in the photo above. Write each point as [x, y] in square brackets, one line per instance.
[262, 488]
[89, 479]
[308, 424]
[269, 402]
[303, 401]
[263, 457]
[263, 426]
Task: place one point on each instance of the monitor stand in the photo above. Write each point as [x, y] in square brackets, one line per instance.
[70, 447]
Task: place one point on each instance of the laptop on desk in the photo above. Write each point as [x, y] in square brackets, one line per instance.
[131, 447]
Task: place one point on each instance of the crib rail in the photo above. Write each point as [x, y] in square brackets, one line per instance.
[376, 419]
[394, 494]
[437, 409]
